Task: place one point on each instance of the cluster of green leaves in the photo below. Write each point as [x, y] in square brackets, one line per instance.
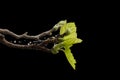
[68, 30]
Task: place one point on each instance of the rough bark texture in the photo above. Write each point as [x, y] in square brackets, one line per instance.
[41, 46]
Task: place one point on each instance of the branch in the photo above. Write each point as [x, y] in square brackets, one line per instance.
[41, 46]
[36, 37]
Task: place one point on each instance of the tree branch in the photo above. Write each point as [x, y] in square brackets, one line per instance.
[41, 46]
[36, 37]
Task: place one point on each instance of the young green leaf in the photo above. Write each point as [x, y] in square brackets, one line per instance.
[68, 27]
[70, 57]
[67, 41]
[59, 24]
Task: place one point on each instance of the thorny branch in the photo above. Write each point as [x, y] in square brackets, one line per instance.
[42, 46]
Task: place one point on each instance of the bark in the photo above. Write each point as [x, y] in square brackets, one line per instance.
[41, 46]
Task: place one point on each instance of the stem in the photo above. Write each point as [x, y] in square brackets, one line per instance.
[40, 46]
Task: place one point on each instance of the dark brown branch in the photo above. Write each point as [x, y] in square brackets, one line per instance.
[31, 47]
[36, 37]
[40, 46]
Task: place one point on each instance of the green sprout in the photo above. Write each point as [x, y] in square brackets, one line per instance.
[69, 37]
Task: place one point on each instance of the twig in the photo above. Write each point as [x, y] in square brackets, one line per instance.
[4, 41]
[36, 37]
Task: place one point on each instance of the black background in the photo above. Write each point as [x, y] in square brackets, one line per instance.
[36, 64]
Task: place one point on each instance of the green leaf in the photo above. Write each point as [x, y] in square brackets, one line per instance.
[70, 57]
[63, 29]
[57, 47]
[69, 38]
[68, 27]
[71, 41]
[59, 24]
[67, 52]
